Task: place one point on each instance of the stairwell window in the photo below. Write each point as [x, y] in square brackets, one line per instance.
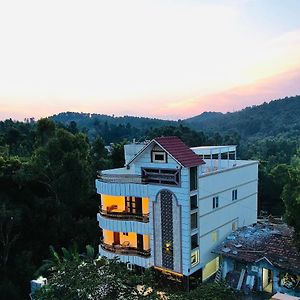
[194, 241]
[234, 195]
[215, 202]
[193, 178]
[194, 221]
[194, 202]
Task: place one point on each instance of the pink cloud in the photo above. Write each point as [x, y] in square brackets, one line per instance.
[275, 87]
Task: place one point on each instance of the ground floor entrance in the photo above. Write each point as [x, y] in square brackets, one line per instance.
[267, 280]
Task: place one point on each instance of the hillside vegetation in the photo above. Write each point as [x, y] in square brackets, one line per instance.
[277, 118]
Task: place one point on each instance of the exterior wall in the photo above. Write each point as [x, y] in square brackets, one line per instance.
[219, 221]
[144, 160]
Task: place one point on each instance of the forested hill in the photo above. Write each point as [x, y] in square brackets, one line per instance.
[110, 128]
[280, 118]
[88, 120]
[277, 118]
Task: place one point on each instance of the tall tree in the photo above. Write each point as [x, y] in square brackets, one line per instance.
[291, 198]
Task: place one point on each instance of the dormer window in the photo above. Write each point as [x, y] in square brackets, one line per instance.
[159, 157]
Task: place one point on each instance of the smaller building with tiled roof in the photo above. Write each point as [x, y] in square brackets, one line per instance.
[261, 257]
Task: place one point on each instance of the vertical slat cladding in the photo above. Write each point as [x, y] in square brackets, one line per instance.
[167, 229]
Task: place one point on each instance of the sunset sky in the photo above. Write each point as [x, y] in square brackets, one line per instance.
[156, 58]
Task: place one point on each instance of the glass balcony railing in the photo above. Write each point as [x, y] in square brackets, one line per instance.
[125, 250]
[124, 215]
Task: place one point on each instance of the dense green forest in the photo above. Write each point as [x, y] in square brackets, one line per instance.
[47, 172]
[276, 118]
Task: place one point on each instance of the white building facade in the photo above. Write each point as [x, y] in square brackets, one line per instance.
[170, 205]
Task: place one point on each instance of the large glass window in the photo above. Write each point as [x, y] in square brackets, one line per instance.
[194, 221]
[193, 178]
[194, 202]
[194, 241]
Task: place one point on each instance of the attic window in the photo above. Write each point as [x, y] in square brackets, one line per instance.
[159, 157]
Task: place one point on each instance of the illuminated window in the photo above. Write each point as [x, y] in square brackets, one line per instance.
[215, 202]
[214, 236]
[168, 248]
[234, 225]
[195, 258]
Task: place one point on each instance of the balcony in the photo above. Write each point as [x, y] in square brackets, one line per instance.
[125, 243]
[119, 176]
[125, 249]
[124, 216]
[148, 176]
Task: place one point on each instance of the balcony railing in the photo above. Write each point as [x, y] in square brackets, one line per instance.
[123, 215]
[121, 178]
[125, 250]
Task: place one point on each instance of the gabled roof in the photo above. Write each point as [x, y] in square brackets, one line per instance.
[180, 151]
[176, 149]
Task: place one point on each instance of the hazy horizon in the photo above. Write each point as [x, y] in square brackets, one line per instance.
[161, 59]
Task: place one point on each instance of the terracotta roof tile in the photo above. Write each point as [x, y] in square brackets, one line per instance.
[180, 151]
[273, 242]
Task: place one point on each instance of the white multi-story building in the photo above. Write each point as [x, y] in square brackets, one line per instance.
[170, 205]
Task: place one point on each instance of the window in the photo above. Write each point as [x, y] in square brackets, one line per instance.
[214, 236]
[234, 225]
[193, 178]
[234, 195]
[215, 202]
[194, 241]
[195, 258]
[194, 221]
[159, 157]
[194, 201]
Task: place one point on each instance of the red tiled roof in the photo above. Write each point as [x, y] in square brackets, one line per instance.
[253, 243]
[180, 151]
